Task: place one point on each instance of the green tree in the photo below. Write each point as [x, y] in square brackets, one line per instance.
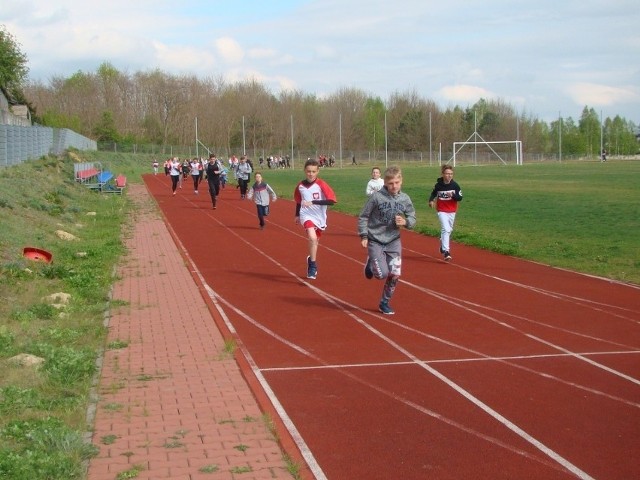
[373, 124]
[105, 130]
[589, 126]
[13, 62]
[55, 119]
[569, 136]
[620, 137]
[408, 135]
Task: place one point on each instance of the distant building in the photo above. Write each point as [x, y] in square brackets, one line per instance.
[12, 113]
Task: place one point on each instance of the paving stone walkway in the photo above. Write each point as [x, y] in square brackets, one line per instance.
[172, 403]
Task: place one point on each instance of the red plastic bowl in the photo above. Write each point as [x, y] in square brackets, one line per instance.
[37, 254]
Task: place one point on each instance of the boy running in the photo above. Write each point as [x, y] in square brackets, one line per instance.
[379, 229]
[261, 192]
[312, 196]
[444, 198]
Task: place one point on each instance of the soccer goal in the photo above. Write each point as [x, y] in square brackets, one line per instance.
[477, 151]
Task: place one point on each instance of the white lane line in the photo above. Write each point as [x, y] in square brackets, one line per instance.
[280, 410]
[549, 326]
[308, 456]
[381, 390]
[484, 358]
[470, 397]
[535, 338]
[606, 310]
[585, 302]
[467, 395]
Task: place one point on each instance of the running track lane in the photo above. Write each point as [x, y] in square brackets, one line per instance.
[492, 367]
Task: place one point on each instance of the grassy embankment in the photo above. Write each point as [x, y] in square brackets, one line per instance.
[43, 410]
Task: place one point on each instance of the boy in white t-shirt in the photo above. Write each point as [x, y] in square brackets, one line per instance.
[376, 182]
[312, 197]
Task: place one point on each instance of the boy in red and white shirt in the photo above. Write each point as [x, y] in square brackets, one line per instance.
[312, 197]
[444, 198]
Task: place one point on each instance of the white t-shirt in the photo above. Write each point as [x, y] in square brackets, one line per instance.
[374, 185]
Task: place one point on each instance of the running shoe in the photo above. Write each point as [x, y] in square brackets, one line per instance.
[312, 269]
[447, 256]
[385, 308]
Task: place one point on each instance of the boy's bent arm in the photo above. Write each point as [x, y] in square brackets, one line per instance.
[410, 214]
[457, 193]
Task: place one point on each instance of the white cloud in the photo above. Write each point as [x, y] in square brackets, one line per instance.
[230, 50]
[464, 93]
[183, 59]
[595, 95]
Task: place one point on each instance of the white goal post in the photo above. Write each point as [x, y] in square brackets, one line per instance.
[473, 140]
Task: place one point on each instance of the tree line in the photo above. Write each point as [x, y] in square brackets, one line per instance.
[155, 107]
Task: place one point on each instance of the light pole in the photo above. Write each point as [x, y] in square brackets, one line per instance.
[340, 136]
[386, 144]
[292, 164]
[244, 147]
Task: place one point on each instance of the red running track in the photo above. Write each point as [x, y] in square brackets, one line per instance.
[492, 368]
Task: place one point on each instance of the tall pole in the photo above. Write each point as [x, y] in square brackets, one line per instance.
[475, 138]
[197, 138]
[340, 136]
[559, 136]
[601, 138]
[244, 148]
[386, 145]
[291, 121]
[518, 145]
[429, 138]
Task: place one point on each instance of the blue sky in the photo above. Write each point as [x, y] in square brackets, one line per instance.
[545, 58]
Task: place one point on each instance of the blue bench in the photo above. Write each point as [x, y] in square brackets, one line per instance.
[104, 176]
[101, 180]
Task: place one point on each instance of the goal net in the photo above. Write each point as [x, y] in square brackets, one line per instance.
[477, 151]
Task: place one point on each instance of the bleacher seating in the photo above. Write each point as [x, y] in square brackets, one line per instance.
[94, 177]
[117, 187]
[104, 177]
[121, 181]
[84, 172]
